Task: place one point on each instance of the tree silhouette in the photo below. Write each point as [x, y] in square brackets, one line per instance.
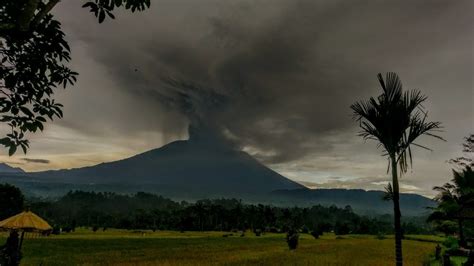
[395, 119]
[33, 53]
[468, 149]
[453, 198]
[11, 201]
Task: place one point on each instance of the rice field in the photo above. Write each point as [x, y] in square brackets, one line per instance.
[121, 247]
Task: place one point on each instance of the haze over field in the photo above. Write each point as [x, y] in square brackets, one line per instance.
[285, 73]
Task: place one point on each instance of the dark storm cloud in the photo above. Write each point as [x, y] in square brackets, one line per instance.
[32, 160]
[274, 76]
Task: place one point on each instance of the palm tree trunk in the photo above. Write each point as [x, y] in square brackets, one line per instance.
[396, 213]
[462, 240]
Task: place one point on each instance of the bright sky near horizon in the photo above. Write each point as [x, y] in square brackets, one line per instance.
[290, 70]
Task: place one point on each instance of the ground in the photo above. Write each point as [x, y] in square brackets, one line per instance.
[120, 247]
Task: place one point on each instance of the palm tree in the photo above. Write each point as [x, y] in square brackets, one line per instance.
[455, 197]
[395, 119]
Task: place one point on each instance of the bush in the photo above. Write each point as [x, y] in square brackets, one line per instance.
[315, 234]
[451, 244]
[305, 230]
[11, 199]
[273, 230]
[56, 230]
[341, 229]
[258, 232]
[292, 238]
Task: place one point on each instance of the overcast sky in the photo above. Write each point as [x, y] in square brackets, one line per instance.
[287, 72]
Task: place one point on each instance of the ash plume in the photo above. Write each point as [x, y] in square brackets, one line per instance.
[273, 77]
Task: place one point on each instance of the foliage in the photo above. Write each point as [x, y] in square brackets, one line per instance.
[456, 198]
[101, 8]
[342, 228]
[34, 56]
[455, 195]
[32, 67]
[315, 234]
[451, 244]
[148, 211]
[11, 201]
[292, 238]
[446, 227]
[468, 149]
[258, 232]
[396, 119]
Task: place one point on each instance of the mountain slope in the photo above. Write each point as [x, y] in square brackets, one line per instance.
[5, 168]
[192, 170]
[182, 166]
[360, 200]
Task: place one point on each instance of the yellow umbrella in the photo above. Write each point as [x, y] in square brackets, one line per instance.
[26, 222]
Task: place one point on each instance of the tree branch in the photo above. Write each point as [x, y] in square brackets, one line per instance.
[27, 15]
[43, 12]
[7, 26]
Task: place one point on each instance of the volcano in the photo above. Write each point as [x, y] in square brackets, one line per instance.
[198, 167]
[201, 168]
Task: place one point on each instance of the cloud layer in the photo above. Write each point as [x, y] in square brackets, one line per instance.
[284, 73]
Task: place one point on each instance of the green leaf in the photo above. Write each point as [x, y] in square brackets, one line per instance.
[89, 4]
[101, 16]
[12, 150]
[5, 142]
[26, 111]
[24, 148]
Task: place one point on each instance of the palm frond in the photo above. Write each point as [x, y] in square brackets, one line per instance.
[395, 119]
[388, 195]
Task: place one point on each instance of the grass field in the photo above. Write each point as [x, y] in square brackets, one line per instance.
[119, 247]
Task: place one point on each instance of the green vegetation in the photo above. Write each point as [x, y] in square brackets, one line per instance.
[395, 119]
[122, 247]
[456, 198]
[11, 201]
[33, 63]
[148, 211]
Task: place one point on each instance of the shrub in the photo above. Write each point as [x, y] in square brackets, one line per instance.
[292, 238]
[258, 232]
[56, 230]
[451, 244]
[305, 230]
[273, 230]
[315, 234]
[341, 229]
[380, 236]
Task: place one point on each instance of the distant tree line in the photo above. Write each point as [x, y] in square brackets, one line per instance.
[455, 210]
[148, 211]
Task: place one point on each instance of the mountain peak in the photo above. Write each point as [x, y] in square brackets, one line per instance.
[195, 168]
[5, 168]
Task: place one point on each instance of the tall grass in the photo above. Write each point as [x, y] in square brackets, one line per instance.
[116, 247]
